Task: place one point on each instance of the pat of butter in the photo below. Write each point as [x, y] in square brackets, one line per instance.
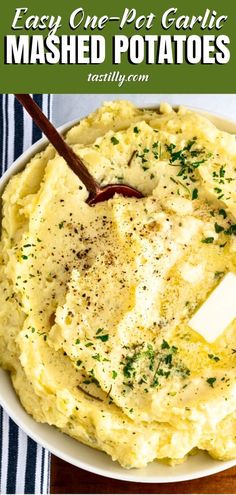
[218, 311]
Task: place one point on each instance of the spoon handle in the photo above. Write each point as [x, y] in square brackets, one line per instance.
[73, 160]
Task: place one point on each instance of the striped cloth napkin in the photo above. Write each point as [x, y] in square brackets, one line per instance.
[24, 465]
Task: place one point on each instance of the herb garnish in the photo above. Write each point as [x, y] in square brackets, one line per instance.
[183, 158]
[89, 344]
[195, 193]
[218, 228]
[223, 213]
[165, 345]
[215, 358]
[208, 240]
[161, 362]
[99, 330]
[211, 381]
[103, 338]
[231, 230]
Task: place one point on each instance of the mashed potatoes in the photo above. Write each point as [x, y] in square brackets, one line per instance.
[95, 301]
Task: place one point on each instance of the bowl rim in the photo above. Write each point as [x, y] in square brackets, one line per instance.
[125, 475]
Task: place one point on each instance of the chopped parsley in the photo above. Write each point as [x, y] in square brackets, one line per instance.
[219, 274]
[114, 140]
[128, 369]
[103, 338]
[183, 158]
[99, 330]
[168, 359]
[155, 151]
[97, 357]
[231, 230]
[222, 171]
[149, 366]
[218, 228]
[223, 213]
[214, 358]
[195, 193]
[165, 345]
[208, 240]
[150, 354]
[211, 381]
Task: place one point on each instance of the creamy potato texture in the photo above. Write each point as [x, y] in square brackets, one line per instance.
[95, 301]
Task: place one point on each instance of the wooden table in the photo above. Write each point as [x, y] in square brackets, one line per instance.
[69, 479]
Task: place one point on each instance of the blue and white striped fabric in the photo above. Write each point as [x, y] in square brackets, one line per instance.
[24, 465]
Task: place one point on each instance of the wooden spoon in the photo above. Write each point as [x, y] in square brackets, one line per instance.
[96, 192]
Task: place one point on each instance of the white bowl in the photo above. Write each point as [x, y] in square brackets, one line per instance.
[69, 449]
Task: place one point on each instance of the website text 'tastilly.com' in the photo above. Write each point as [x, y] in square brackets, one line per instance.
[117, 77]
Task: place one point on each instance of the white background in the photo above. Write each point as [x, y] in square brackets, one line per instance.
[66, 107]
